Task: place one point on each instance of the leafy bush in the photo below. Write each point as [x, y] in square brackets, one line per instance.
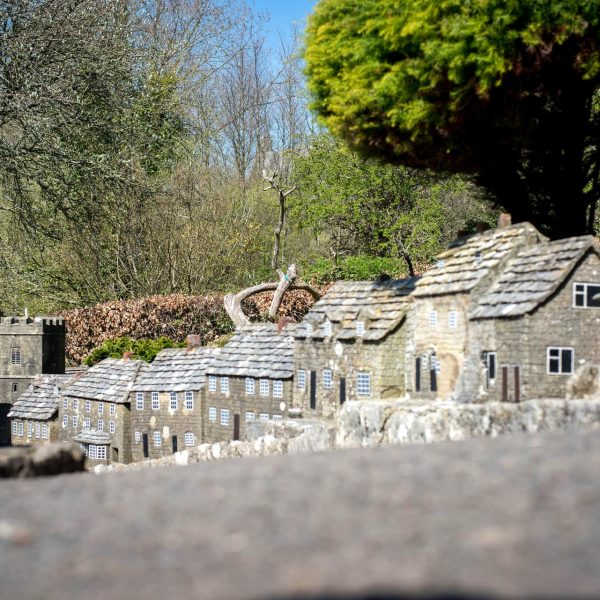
[353, 268]
[140, 349]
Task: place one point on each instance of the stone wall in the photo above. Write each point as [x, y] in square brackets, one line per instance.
[33, 431]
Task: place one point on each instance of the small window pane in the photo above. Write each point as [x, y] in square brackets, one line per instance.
[212, 414]
[173, 400]
[189, 438]
[212, 383]
[363, 384]
[264, 417]
[155, 401]
[264, 387]
[138, 436]
[593, 296]
[189, 400]
[278, 389]
[224, 385]
[224, 417]
[250, 416]
[301, 379]
[157, 438]
[327, 379]
[139, 400]
[249, 386]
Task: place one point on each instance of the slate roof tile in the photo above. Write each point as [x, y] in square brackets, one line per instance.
[92, 436]
[40, 400]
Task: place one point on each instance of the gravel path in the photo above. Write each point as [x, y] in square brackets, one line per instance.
[513, 516]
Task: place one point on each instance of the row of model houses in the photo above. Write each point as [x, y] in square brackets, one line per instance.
[503, 315]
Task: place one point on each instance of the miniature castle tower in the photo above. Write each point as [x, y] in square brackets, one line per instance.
[28, 347]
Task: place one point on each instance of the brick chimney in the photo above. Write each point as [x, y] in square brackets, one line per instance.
[504, 220]
[193, 341]
[282, 323]
[128, 355]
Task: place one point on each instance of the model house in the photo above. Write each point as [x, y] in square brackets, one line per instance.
[94, 410]
[536, 324]
[352, 345]
[443, 299]
[166, 402]
[250, 379]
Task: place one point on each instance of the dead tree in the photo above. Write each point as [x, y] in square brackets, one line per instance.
[286, 281]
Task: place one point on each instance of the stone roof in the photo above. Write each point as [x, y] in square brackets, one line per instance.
[257, 351]
[40, 400]
[471, 259]
[92, 436]
[174, 370]
[108, 381]
[380, 305]
[531, 277]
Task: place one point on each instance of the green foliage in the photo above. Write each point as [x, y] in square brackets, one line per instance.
[500, 89]
[352, 268]
[141, 349]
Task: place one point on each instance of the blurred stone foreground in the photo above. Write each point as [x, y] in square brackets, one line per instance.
[512, 516]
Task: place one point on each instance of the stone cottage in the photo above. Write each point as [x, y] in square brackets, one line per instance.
[536, 324]
[166, 402]
[250, 379]
[94, 410]
[443, 298]
[352, 345]
[34, 416]
[28, 347]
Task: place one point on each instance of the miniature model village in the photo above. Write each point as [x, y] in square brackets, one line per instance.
[504, 315]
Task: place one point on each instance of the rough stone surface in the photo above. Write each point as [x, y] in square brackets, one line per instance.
[50, 459]
[515, 516]
[584, 383]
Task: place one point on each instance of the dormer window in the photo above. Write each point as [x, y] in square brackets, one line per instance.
[360, 328]
[327, 328]
[478, 256]
[309, 330]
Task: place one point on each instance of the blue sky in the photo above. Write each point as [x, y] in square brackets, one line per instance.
[283, 13]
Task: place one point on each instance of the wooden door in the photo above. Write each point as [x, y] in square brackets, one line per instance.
[517, 374]
[417, 375]
[236, 427]
[313, 390]
[342, 390]
[174, 443]
[145, 445]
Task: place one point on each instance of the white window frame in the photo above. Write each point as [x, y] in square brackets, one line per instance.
[277, 417]
[112, 409]
[250, 386]
[250, 416]
[212, 383]
[189, 400]
[433, 318]
[309, 330]
[14, 428]
[75, 421]
[87, 423]
[453, 319]
[21, 429]
[224, 385]
[360, 328]
[75, 404]
[156, 438]
[139, 400]
[29, 429]
[327, 328]
[65, 404]
[327, 379]
[15, 356]
[363, 383]
[264, 387]
[100, 424]
[112, 426]
[263, 417]
[224, 417]
[88, 406]
[38, 431]
[138, 436]
[173, 401]
[100, 409]
[65, 421]
[277, 388]
[189, 438]
[583, 294]
[301, 379]
[155, 401]
[91, 451]
[212, 413]
[45, 431]
[100, 452]
[559, 350]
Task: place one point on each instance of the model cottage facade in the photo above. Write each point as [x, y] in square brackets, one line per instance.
[166, 402]
[352, 345]
[536, 324]
[94, 410]
[443, 299]
[28, 347]
[250, 379]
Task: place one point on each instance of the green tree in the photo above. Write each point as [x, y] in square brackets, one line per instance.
[504, 90]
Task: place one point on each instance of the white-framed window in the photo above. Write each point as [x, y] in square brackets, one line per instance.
[301, 379]
[44, 431]
[560, 360]
[433, 318]
[155, 401]
[14, 428]
[100, 425]
[224, 416]
[30, 429]
[278, 389]
[112, 426]
[250, 386]
[327, 379]
[21, 428]
[264, 417]
[363, 384]
[139, 400]
[75, 404]
[478, 256]
[212, 414]
[15, 356]
[65, 404]
[38, 431]
[489, 359]
[88, 406]
[264, 387]
[75, 421]
[453, 319]
[101, 452]
[436, 365]
[189, 438]
[250, 416]
[212, 383]
[360, 328]
[327, 328]
[277, 417]
[173, 400]
[65, 421]
[87, 423]
[138, 436]
[224, 385]
[112, 409]
[92, 451]
[100, 408]
[189, 400]
[308, 329]
[586, 295]
[157, 438]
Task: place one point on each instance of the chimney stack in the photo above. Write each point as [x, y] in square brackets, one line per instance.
[282, 323]
[193, 341]
[128, 355]
[504, 220]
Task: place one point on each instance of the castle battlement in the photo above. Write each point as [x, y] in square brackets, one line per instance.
[41, 324]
